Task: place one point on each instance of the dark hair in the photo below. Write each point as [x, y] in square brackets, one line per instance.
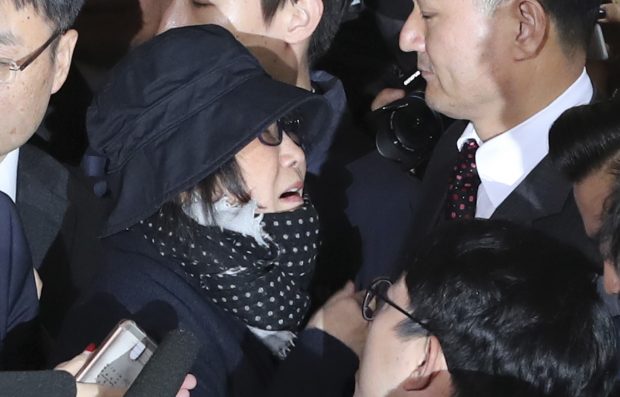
[326, 30]
[575, 20]
[586, 138]
[227, 177]
[509, 303]
[61, 13]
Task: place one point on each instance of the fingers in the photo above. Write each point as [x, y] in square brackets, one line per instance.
[385, 97]
[612, 13]
[95, 390]
[190, 382]
[344, 292]
[73, 366]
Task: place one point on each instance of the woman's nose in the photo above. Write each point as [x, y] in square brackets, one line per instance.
[291, 154]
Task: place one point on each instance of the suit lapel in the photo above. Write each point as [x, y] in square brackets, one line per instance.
[41, 199]
[437, 177]
[542, 193]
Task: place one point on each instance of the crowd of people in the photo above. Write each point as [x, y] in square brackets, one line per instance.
[192, 168]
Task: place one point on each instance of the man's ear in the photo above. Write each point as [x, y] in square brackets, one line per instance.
[62, 60]
[533, 29]
[434, 362]
[303, 17]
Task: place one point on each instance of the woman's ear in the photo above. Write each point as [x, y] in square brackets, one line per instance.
[62, 58]
[433, 362]
[303, 18]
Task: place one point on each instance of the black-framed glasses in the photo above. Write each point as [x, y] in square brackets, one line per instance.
[9, 67]
[376, 297]
[272, 135]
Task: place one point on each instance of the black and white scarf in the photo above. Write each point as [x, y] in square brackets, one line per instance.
[262, 280]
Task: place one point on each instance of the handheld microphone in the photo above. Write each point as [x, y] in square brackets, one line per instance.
[37, 384]
[163, 375]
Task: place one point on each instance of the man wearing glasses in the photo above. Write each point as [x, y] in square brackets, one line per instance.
[488, 308]
[35, 54]
[36, 46]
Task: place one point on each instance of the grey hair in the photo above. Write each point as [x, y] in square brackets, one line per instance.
[488, 6]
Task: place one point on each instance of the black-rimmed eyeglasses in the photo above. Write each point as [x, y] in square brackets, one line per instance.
[9, 67]
[272, 136]
[376, 297]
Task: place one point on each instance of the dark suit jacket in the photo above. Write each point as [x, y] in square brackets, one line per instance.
[18, 295]
[61, 219]
[543, 200]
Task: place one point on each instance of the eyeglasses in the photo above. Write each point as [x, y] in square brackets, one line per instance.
[272, 136]
[9, 67]
[376, 297]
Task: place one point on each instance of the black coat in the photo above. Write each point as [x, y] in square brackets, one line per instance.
[137, 283]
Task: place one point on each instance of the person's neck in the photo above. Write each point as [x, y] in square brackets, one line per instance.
[2, 157]
[303, 77]
[535, 89]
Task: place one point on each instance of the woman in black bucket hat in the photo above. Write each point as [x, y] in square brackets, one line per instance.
[209, 228]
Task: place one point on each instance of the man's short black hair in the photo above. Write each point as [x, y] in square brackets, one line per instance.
[325, 31]
[513, 306]
[575, 20]
[585, 139]
[61, 13]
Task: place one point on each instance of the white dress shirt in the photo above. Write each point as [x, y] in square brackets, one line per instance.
[8, 174]
[505, 160]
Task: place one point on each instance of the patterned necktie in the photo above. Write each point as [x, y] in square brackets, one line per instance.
[464, 182]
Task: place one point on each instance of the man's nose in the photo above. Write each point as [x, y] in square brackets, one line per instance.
[412, 35]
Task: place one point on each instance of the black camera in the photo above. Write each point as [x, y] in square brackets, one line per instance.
[407, 131]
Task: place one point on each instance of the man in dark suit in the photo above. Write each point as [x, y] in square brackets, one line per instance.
[509, 68]
[58, 219]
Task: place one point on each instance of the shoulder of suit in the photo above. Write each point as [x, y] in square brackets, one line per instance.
[36, 167]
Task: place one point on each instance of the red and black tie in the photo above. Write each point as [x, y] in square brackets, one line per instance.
[464, 182]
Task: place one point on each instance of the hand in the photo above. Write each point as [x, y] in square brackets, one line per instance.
[93, 390]
[73, 366]
[85, 389]
[612, 11]
[188, 385]
[385, 97]
[341, 317]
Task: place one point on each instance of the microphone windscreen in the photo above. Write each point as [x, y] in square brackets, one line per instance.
[37, 384]
[163, 375]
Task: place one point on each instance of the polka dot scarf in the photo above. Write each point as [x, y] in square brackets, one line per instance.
[265, 286]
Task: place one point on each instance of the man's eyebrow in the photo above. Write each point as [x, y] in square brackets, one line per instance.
[9, 39]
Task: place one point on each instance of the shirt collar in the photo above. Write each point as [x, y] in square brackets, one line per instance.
[505, 160]
[8, 174]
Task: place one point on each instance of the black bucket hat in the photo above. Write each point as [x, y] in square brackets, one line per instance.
[179, 107]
